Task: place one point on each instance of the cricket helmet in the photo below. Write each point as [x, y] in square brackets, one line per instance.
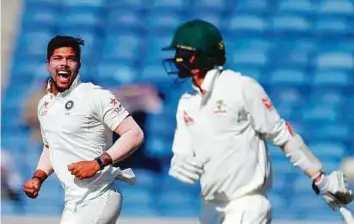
[198, 45]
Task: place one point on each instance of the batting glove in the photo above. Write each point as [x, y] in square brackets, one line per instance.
[186, 168]
[334, 189]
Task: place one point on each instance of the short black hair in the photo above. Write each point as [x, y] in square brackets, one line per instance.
[65, 41]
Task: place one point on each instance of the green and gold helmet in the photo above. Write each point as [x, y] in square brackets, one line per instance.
[201, 39]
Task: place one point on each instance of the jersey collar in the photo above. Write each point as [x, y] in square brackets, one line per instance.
[75, 83]
[209, 80]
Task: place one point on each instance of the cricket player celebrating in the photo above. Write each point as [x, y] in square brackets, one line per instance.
[77, 120]
[222, 126]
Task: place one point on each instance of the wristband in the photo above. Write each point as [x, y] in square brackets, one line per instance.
[319, 185]
[100, 163]
[40, 175]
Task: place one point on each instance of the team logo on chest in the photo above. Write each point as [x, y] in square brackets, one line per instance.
[220, 108]
[69, 105]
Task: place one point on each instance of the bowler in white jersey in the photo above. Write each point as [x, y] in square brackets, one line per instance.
[222, 125]
[77, 120]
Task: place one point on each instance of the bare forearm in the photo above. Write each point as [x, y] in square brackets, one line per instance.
[44, 167]
[126, 145]
[131, 137]
[44, 163]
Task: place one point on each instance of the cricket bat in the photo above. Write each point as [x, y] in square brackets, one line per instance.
[347, 215]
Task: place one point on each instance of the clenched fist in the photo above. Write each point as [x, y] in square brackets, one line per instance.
[84, 169]
[31, 187]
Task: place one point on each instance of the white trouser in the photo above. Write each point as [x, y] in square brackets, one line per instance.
[104, 209]
[251, 209]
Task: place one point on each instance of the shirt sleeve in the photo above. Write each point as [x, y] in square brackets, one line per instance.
[265, 118]
[44, 138]
[108, 109]
[181, 142]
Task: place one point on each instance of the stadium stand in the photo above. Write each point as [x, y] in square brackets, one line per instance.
[301, 51]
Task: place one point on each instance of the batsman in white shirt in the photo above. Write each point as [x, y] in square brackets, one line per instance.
[222, 126]
[77, 120]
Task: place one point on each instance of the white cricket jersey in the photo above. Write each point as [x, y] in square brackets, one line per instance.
[77, 125]
[227, 127]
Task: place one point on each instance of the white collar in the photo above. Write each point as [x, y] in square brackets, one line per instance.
[209, 80]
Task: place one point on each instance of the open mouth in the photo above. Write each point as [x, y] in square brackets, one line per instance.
[64, 75]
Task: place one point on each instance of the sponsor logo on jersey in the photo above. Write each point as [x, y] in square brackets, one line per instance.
[188, 120]
[114, 102]
[242, 115]
[267, 103]
[44, 107]
[290, 129]
[117, 106]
